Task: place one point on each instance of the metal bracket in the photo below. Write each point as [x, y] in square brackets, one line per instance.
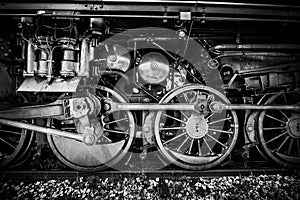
[94, 6]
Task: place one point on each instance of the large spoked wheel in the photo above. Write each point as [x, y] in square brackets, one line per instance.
[111, 146]
[15, 143]
[192, 140]
[279, 130]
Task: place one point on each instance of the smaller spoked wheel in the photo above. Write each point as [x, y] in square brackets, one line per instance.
[14, 143]
[192, 140]
[279, 130]
[113, 141]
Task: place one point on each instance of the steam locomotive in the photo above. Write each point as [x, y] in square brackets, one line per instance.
[108, 83]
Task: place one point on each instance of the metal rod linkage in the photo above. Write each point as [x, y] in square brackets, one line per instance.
[41, 129]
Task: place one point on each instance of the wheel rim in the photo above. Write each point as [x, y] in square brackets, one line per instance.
[279, 131]
[111, 147]
[193, 145]
[14, 142]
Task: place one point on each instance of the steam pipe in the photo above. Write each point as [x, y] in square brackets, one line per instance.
[223, 47]
[283, 20]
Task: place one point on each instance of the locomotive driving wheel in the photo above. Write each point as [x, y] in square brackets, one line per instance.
[15, 142]
[195, 140]
[279, 130]
[112, 144]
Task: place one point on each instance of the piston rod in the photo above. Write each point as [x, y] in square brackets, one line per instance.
[50, 131]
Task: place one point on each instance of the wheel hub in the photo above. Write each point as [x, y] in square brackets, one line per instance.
[294, 126]
[197, 126]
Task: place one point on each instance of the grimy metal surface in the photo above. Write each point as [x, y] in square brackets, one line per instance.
[246, 55]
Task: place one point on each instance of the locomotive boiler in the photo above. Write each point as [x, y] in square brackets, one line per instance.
[114, 83]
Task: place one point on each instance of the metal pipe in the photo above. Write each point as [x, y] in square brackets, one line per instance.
[144, 39]
[31, 64]
[246, 19]
[192, 3]
[41, 129]
[270, 54]
[201, 3]
[284, 20]
[84, 58]
[91, 15]
[254, 46]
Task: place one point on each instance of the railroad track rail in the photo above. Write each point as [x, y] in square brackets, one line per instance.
[71, 175]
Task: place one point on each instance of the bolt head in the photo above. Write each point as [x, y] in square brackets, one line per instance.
[89, 139]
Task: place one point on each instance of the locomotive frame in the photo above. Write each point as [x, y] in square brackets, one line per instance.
[102, 86]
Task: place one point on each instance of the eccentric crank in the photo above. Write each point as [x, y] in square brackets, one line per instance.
[81, 109]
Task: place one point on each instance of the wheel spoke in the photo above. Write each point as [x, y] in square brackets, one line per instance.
[106, 138]
[171, 128]
[210, 150]
[222, 131]
[115, 131]
[199, 147]
[275, 138]
[275, 119]
[290, 146]
[220, 120]
[191, 146]
[174, 138]
[212, 114]
[178, 148]
[286, 138]
[173, 118]
[284, 98]
[274, 128]
[185, 115]
[298, 146]
[217, 141]
[115, 121]
[7, 143]
[285, 116]
[10, 132]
